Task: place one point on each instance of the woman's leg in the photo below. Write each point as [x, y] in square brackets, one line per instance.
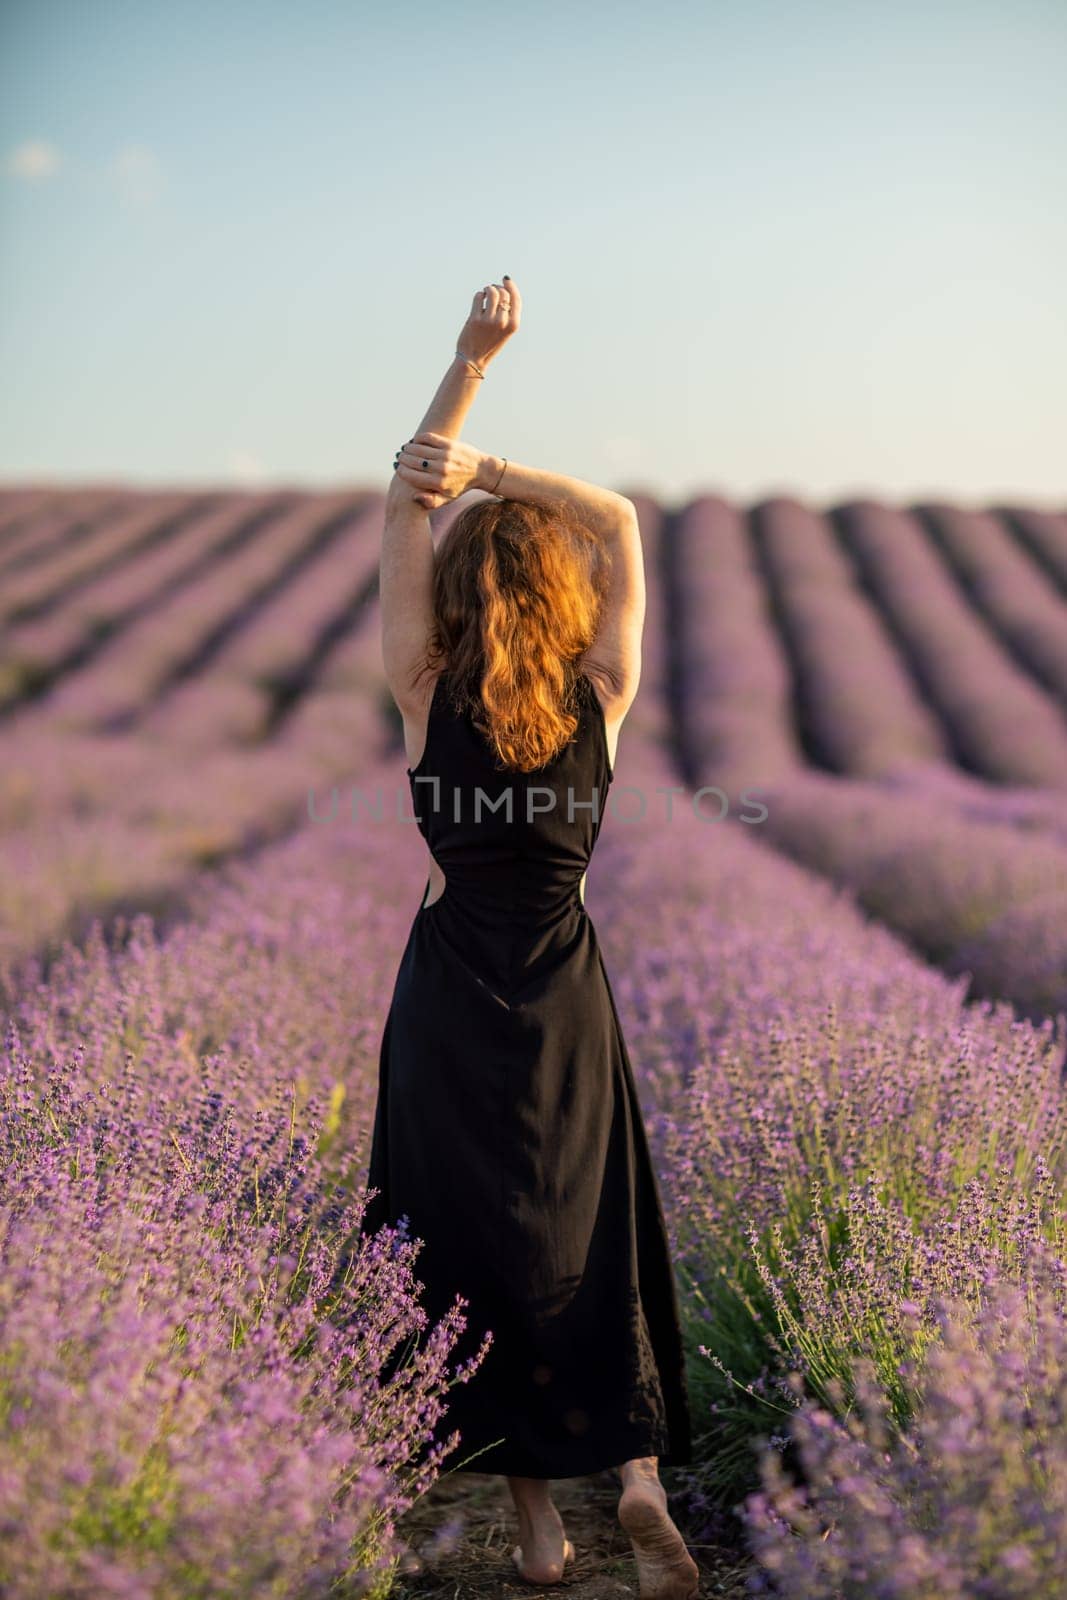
[665, 1568]
[543, 1547]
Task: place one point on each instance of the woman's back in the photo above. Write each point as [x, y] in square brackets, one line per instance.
[513, 846]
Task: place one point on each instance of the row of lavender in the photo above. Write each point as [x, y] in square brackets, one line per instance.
[783, 654]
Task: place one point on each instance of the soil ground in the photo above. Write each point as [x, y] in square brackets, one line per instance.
[479, 1566]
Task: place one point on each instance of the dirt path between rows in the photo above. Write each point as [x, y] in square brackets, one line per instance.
[479, 1565]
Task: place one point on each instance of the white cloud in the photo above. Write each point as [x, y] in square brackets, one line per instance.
[138, 174]
[245, 468]
[33, 159]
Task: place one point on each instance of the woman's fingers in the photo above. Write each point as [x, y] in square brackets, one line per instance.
[496, 298]
[430, 478]
[421, 457]
[419, 450]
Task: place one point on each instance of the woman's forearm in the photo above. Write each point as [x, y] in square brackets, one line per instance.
[601, 507]
[454, 398]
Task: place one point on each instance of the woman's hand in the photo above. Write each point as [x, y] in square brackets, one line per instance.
[494, 317]
[440, 469]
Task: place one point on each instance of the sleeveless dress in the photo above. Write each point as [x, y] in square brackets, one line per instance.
[508, 1128]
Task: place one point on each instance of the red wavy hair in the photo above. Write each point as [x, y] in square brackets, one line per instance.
[518, 591]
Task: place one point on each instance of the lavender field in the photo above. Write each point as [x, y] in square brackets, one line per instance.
[831, 889]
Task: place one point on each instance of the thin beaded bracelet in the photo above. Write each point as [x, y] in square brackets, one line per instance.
[470, 363]
[503, 469]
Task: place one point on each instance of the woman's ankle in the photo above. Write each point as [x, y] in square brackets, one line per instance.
[533, 1496]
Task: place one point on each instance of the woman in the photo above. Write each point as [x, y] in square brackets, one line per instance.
[508, 1129]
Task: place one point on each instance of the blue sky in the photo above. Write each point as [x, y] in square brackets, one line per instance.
[806, 248]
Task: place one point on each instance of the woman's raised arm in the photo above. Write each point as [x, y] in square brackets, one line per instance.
[405, 574]
[615, 655]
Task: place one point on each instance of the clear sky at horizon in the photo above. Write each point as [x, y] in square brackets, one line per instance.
[812, 248]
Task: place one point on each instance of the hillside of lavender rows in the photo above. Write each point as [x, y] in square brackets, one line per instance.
[844, 1018]
[179, 670]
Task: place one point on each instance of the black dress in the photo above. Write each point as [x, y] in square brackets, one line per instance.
[508, 1128]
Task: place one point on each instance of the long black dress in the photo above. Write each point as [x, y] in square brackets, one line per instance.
[508, 1128]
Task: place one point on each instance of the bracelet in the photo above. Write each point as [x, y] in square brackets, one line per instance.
[470, 363]
[503, 469]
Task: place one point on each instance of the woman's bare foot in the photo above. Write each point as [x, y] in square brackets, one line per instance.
[543, 1549]
[665, 1569]
[539, 1570]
